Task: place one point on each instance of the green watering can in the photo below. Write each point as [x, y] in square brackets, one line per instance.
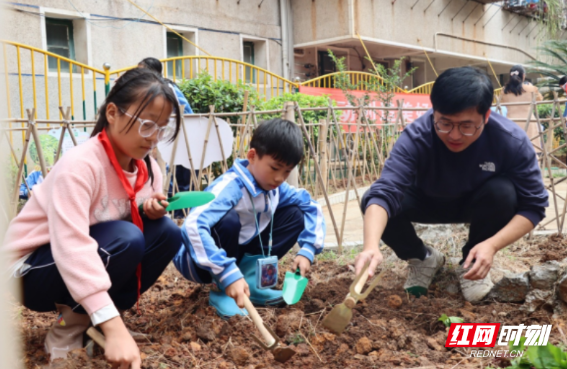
[188, 199]
[293, 287]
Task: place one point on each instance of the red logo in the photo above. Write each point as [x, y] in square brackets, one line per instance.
[472, 335]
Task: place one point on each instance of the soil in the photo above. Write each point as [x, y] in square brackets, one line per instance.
[389, 329]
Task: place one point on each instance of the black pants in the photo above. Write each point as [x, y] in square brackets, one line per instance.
[488, 210]
[122, 246]
[289, 222]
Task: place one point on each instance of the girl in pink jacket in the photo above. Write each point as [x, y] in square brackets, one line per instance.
[80, 244]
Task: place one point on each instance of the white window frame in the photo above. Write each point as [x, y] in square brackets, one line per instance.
[180, 29]
[68, 15]
[244, 38]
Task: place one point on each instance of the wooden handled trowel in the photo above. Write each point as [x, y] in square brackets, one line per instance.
[271, 340]
[341, 315]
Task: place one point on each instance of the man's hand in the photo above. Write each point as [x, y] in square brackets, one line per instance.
[237, 290]
[121, 350]
[152, 207]
[302, 263]
[371, 254]
[482, 254]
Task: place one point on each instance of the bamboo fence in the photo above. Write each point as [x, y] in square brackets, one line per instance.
[340, 156]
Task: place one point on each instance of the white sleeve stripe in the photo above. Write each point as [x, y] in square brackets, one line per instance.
[319, 234]
[307, 250]
[235, 270]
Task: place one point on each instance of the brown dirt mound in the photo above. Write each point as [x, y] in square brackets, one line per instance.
[184, 332]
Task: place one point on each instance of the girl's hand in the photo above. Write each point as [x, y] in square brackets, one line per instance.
[152, 207]
[121, 350]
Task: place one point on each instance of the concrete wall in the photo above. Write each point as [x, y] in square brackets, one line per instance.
[101, 35]
[398, 24]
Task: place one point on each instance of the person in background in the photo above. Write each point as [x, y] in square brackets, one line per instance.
[182, 174]
[34, 178]
[516, 91]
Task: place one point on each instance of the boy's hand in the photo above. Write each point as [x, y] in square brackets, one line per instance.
[302, 263]
[237, 290]
[152, 207]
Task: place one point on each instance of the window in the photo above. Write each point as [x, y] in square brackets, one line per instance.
[174, 48]
[59, 33]
[248, 57]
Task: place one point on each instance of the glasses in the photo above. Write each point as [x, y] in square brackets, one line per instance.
[149, 127]
[466, 129]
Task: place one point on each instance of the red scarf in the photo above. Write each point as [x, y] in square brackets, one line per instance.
[140, 181]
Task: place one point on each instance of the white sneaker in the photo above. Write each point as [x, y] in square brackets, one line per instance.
[421, 272]
[476, 290]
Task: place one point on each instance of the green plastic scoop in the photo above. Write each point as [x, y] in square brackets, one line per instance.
[188, 199]
[293, 287]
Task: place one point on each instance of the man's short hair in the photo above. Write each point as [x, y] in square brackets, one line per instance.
[279, 138]
[458, 89]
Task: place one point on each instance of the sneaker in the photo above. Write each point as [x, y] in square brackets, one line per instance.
[421, 272]
[476, 290]
[66, 334]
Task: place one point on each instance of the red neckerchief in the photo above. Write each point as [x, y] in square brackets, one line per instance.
[141, 179]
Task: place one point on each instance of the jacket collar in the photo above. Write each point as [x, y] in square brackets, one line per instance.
[240, 167]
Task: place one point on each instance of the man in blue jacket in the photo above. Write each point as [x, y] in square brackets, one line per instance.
[458, 163]
[235, 241]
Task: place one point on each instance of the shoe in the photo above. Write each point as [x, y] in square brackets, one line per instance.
[66, 334]
[421, 272]
[476, 290]
[258, 297]
[224, 305]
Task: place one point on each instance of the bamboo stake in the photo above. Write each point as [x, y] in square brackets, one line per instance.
[207, 135]
[31, 122]
[196, 183]
[212, 109]
[15, 157]
[546, 159]
[323, 130]
[21, 169]
[329, 207]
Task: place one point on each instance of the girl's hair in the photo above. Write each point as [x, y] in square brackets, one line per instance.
[153, 64]
[142, 85]
[516, 81]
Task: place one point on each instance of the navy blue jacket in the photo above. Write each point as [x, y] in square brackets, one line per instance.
[419, 158]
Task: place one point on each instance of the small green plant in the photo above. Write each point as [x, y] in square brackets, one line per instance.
[447, 320]
[327, 256]
[539, 357]
[296, 339]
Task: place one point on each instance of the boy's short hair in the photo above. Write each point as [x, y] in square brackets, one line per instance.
[563, 81]
[458, 89]
[279, 138]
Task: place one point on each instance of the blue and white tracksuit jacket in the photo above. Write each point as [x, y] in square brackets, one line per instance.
[232, 190]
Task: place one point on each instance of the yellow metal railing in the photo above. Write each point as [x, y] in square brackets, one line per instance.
[267, 84]
[31, 74]
[423, 89]
[359, 80]
[24, 62]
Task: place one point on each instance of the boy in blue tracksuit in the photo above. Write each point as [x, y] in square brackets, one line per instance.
[255, 219]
